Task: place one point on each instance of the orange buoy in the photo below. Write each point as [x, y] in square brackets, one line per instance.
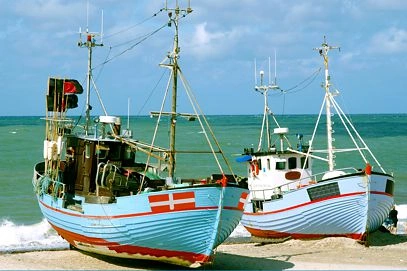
[368, 169]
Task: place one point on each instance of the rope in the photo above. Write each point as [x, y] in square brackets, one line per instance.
[196, 106]
[155, 132]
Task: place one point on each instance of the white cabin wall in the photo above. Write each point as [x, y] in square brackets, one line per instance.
[265, 183]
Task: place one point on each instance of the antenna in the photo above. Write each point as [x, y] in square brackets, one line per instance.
[269, 72]
[87, 16]
[177, 9]
[101, 30]
[128, 113]
[275, 67]
[255, 73]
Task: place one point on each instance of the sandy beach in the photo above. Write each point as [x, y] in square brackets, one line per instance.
[385, 252]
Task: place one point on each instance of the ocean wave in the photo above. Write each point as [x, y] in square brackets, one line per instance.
[40, 236]
[21, 238]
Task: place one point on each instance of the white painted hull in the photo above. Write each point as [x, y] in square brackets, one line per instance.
[359, 206]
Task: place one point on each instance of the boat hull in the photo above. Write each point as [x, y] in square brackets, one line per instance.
[350, 206]
[181, 226]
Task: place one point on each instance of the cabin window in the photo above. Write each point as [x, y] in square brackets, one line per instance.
[268, 164]
[304, 162]
[259, 162]
[280, 165]
[390, 187]
[114, 152]
[292, 162]
[102, 151]
[257, 206]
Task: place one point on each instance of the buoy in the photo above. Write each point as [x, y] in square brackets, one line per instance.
[254, 167]
[45, 151]
[59, 145]
[368, 169]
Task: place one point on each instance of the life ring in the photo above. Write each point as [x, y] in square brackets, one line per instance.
[254, 167]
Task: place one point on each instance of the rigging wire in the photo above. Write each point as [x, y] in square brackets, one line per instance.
[107, 59]
[196, 108]
[167, 91]
[139, 41]
[151, 92]
[133, 26]
[129, 41]
[307, 81]
[310, 78]
[101, 69]
[141, 38]
[132, 46]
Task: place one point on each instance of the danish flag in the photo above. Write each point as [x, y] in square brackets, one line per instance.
[172, 202]
[242, 201]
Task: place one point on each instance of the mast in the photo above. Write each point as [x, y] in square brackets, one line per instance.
[89, 43]
[323, 51]
[173, 65]
[263, 89]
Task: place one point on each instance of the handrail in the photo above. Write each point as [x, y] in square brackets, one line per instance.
[285, 188]
[53, 187]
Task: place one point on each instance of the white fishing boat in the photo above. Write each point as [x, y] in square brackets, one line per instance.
[98, 196]
[288, 200]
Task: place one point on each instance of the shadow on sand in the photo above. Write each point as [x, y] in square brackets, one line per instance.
[223, 261]
[378, 239]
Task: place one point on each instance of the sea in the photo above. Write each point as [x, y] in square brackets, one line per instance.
[23, 228]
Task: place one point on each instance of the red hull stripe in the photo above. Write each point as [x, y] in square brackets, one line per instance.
[232, 208]
[381, 193]
[276, 234]
[75, 239]
[123, 216]
[316, 201]
[205, 208]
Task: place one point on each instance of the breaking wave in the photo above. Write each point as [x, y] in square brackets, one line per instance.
[22, 238]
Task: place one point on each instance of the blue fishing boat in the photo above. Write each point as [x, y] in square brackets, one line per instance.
[101, 199]
[289, 200]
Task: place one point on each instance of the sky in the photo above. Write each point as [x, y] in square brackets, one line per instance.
[223, 44]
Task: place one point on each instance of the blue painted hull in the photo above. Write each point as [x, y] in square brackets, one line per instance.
[183, 231]
[360, 206]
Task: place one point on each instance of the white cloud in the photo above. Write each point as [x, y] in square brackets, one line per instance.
[390, 41]
[211, 44]
[202, 37]
[348, 57]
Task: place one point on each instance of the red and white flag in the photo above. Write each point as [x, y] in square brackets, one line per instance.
[172, 202]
